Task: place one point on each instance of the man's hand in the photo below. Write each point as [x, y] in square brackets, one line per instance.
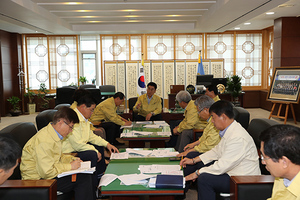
[99, 156]
[112, 148]
[191, 177]
[182, 154]
[128, 123]
[189, 146]
[186, 161]
[75, 164]
[148, 117]
[175, 131]
[138, 106]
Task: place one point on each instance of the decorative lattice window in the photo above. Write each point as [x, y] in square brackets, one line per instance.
[188, 46]
[248, 58]
[160, 47]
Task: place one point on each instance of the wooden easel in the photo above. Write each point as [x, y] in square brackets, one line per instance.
[286, 111]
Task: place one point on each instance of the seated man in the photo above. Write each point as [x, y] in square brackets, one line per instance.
[84, 141]
[10, 152]
[209, 138]
[212, 92]
[280, 152]
[191, 121]
[236, 154]
[42, 157]
[148, 106]
[105, 113]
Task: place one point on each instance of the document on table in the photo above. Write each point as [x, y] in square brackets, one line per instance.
[163, 153]
[143, 122]
[155, 169]
[84, 168]
[161, 123]
[130, 126]
[142, 153]
[123, 155]
[164, 133]
[106, 179]
[134, 179]
[152, 126]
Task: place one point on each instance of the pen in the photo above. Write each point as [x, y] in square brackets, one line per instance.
[181, 165]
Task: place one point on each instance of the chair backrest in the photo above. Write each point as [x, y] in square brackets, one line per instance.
[64, 95]
[242, 116]
[131, 102]
[107, 88]
[61, 105]
[95, 92]
[256, 127]
[20, 132]
[87, 86]
[44, 117]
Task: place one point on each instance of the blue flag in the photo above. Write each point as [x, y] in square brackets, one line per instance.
[200, 70]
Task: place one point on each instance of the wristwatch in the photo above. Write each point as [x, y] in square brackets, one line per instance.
[197, 172]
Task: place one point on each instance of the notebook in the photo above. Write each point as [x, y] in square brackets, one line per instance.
[169, 181]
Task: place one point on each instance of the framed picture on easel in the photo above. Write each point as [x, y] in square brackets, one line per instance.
[285, 85]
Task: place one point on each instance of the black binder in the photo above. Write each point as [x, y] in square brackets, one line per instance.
[169, 181]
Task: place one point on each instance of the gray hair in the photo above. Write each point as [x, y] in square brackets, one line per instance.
[204, 101]
[184, 96]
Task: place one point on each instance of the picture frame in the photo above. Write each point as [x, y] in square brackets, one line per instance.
[285, 85]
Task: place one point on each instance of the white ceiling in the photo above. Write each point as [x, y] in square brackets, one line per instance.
[140, 16]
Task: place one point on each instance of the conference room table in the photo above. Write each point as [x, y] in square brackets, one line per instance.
[134, 192]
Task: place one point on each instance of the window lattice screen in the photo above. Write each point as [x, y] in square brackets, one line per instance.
[248, 58]
[270, 63]
[160, 47]
[188, 46]
[222, 46]
[60, 70]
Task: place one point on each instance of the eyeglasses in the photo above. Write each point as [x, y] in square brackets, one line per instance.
[262, 158]
[71, 127]
[200, 111]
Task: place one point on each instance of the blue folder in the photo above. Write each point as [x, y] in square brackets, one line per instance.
[169, 181]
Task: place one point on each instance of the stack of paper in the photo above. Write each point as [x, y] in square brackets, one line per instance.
[84, 168]
[142, 153]
[155, 169]
[123, 155]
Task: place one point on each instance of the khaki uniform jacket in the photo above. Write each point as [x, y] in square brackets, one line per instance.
[191, 119]
[80, 136]
[280, 192]
[236, 154]
[106, 111]
[209, 139]
[216, 98]
[42, 156]
[145, 108]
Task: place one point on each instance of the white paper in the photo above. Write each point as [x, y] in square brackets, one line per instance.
[163, 153]
[152, 126]
[142, 153]
[164, 133]
[134, 179]
[141, 133]
[143, 122]
[130, 126]
[151, 169]
[76, 171]
[123, 155]
[106, 179]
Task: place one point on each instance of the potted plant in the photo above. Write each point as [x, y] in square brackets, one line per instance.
[42, 92]
[93, 81]
[14, 102]
[234, 87]
[83, 80]
[31, 106]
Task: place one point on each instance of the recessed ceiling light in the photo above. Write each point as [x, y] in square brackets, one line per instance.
[285, 5]
[270, 13]
[247, 23]
[237, 28]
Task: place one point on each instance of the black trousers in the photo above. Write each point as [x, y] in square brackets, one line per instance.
[82, 187]
[112, 130]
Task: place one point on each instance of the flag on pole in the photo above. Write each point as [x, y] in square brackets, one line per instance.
[200, 70]
[141, 87]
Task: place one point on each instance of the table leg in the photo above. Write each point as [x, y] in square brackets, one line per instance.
[157, 144]
[136, 144]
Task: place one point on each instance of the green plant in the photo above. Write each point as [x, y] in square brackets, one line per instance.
[30, 94]
[42, 92]
[14, 101]
[82, 79]
[93, 81]
[234, 86]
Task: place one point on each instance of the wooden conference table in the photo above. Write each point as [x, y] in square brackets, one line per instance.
[133, 192]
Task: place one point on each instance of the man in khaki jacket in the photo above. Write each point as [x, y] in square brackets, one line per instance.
[191, 121]
[105, 114]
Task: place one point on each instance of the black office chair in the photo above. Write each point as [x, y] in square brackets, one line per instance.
[107, 88]
[131, 103]
[85, 86]
[44, 117]
[64, 95]
[242, 116]
[61, 105]
[20, 132]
